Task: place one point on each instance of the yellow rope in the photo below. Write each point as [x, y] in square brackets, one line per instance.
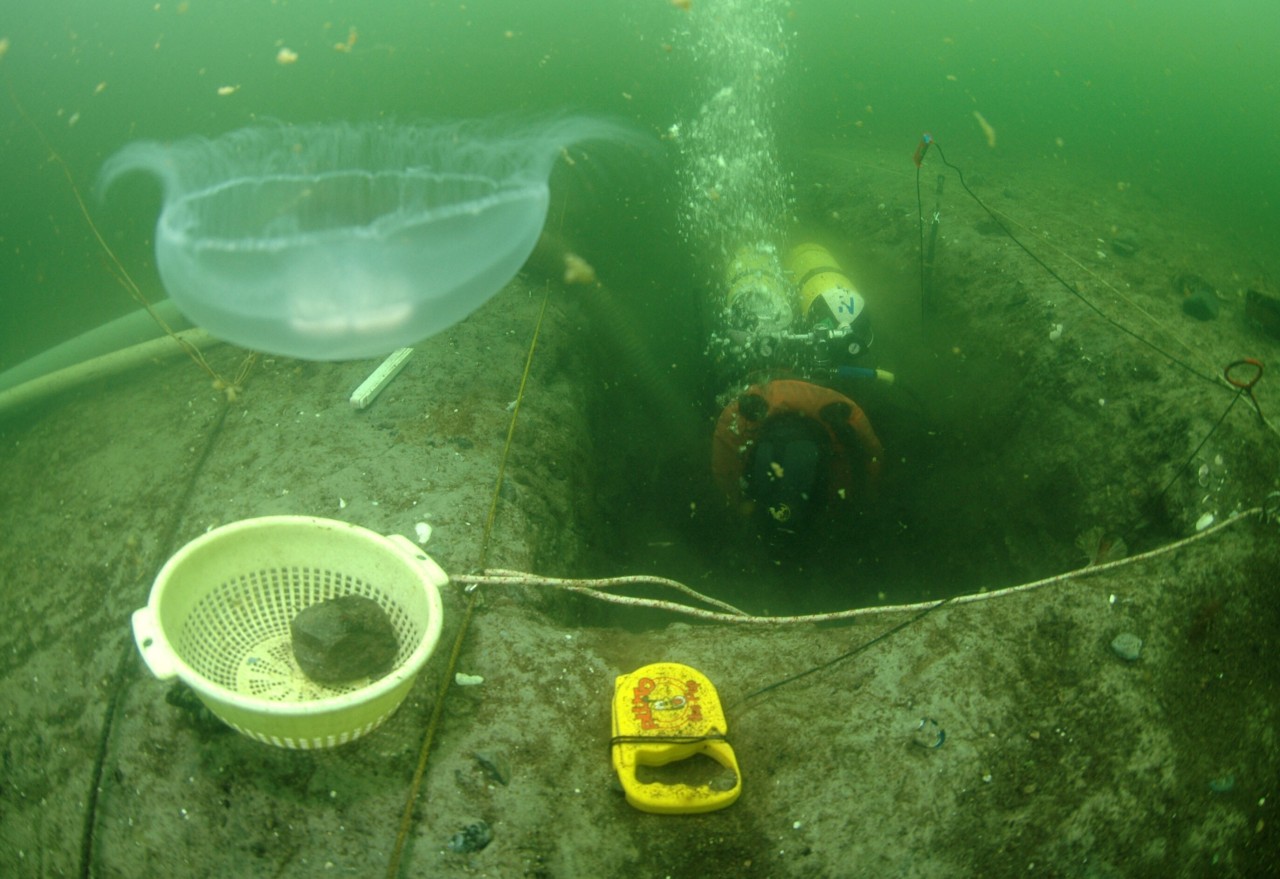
[511, 429]
[424, 752]
[406, 817]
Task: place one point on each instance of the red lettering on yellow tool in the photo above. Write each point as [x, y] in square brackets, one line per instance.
[640, 707]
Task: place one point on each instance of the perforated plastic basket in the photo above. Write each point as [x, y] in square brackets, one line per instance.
[218, 619]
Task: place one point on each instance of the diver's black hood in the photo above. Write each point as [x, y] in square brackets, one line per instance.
[786, 474]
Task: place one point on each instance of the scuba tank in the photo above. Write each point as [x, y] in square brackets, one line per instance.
[754, 317]
[830, 306]
[757, 300]
[806, 317]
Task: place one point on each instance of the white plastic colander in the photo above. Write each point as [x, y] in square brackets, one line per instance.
[219, 613]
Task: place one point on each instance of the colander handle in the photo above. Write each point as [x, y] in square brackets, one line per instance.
[420, 556]
[152, 644]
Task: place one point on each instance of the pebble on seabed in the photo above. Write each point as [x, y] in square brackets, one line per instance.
[471, 838]
[1127, 646]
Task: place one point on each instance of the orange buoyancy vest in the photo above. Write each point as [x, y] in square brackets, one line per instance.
[736, 434]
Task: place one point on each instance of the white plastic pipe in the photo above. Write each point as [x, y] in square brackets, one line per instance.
[99, 367]
[123, 332]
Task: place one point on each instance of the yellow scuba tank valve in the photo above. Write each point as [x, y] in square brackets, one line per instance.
[825, 291]
[828, 301]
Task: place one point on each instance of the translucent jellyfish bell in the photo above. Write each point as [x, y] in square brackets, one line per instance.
[333, 242]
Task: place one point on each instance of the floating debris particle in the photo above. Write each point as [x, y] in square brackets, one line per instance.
[286, 56]
[224, 90]
[987, 130]
[577, 270]
[350, 43]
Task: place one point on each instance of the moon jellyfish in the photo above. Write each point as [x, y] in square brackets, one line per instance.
[342, 241]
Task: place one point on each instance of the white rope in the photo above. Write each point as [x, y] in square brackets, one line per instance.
[593, 588]
[499, 577]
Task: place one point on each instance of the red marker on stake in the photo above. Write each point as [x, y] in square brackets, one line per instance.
[921, 148]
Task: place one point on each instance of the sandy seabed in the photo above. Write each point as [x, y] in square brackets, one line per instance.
[1060, 758]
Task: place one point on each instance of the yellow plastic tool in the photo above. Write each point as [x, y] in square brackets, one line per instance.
[663, 713]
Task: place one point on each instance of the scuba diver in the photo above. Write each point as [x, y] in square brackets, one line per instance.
[788, 450]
